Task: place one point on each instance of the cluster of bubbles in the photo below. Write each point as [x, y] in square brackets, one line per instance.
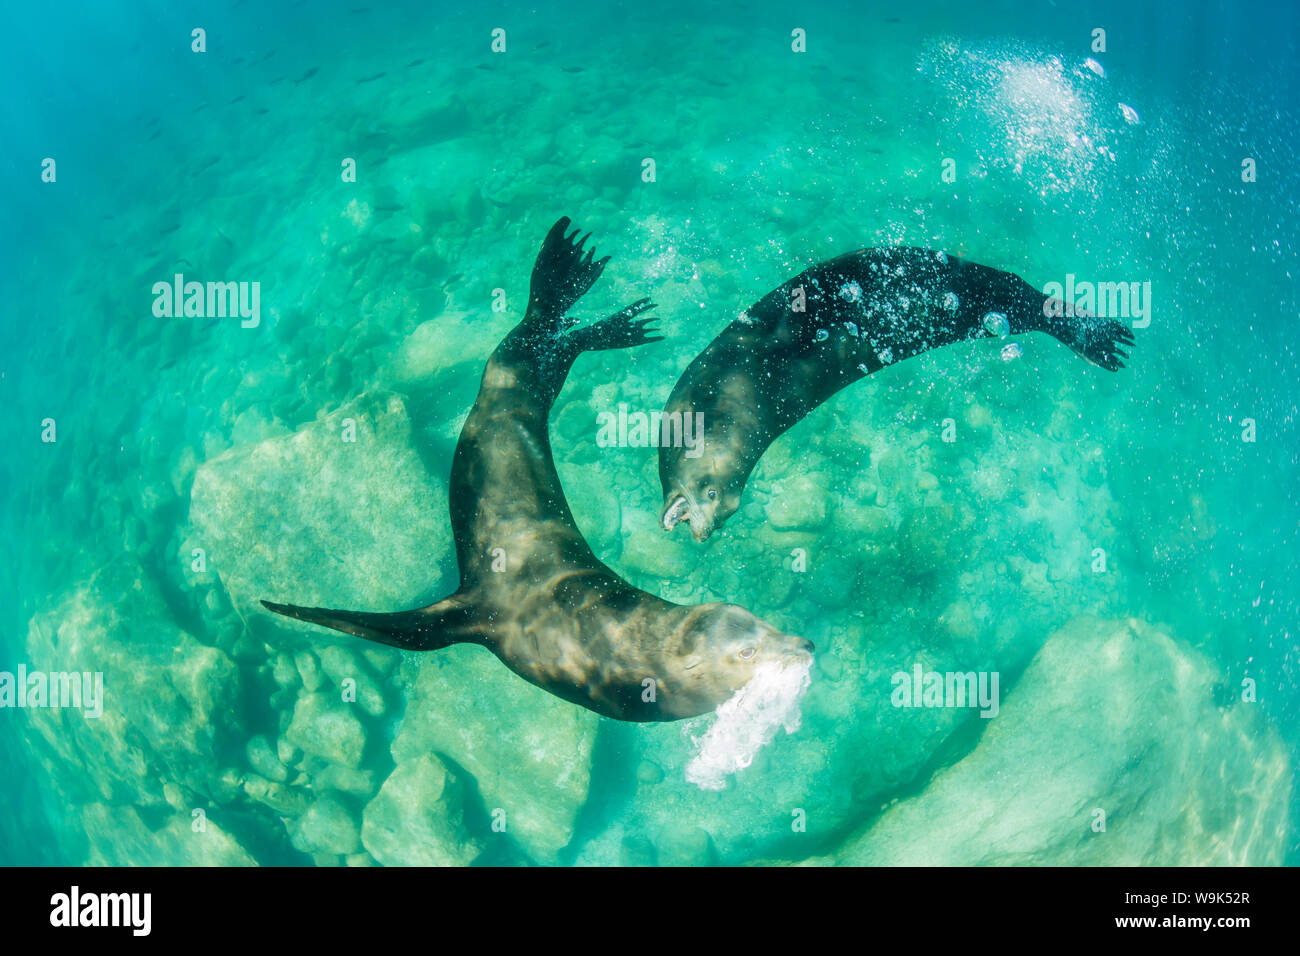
[1058, 120]
[748, 722]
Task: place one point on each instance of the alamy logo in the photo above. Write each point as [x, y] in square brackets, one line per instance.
[651, 430]
[922, 688]
[1108, 300]
[103, 909]
[208, 300]
[80, 689]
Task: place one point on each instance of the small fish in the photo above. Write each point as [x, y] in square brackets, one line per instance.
[388, 208]
[211, 162]
[185, 262]
[236, 61]
[308, 75]
[224, 236]
[573, 69]
[542, 45]
[484, 66]
[454, 277]
[156, 134]
[371, 79]
[236, 100]
[278, 79]
[263, 110]
[415, 63]
[169, 229]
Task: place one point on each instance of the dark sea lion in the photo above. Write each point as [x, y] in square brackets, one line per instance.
[860, 312]
[550, 610]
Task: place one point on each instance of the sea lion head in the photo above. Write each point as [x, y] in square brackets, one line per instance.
[699, 496]
[722, 649]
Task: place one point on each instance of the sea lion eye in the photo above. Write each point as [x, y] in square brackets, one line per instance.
[713, 492]
[746, 653]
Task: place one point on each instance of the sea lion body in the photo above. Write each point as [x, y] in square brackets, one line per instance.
[829, 326]
[531, 589]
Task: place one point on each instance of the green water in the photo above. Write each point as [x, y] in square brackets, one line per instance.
[1111, 545]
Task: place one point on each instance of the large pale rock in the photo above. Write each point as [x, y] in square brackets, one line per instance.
[528, 751]
[326, 827]
[119, 837]
[1113, 716]
[324, 727]
[168, 700]
[417, 818]
[313, 519]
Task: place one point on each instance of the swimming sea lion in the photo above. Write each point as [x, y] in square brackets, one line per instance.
[826, 328]
[552, 612]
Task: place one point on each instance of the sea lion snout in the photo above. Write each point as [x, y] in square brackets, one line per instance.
[703, 512]
[681, 507]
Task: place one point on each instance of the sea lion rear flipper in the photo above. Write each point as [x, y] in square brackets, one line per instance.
[425, 629]
[561, 275]
[1100, 340]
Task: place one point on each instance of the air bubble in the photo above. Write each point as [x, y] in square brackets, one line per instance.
[1011, 352]
[950, 301]
[995, 323]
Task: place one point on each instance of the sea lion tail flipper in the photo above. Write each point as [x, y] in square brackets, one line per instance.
[621, 330]
[1100, 340]
[425, 629]
[561, 275]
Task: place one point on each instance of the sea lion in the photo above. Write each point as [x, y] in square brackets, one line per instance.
[827, 327]
[531, 591]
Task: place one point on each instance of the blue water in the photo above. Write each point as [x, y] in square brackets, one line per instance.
[226, 736]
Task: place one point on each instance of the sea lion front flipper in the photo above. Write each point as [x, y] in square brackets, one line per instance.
[561, 276]
[448, 622]
[621, 330]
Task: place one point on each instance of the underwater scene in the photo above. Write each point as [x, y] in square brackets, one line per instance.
[915, 483]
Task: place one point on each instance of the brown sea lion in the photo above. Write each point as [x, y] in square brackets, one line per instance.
[531, 590]
[826, 328]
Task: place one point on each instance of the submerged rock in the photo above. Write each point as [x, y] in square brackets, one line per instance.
[417, 819]
[118, 836]
[326, 827]
[166, 701]
[1111, 717]
[528, 751]
[315, 519]
[324, 727]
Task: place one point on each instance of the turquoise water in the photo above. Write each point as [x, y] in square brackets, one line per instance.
[1109, 544]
